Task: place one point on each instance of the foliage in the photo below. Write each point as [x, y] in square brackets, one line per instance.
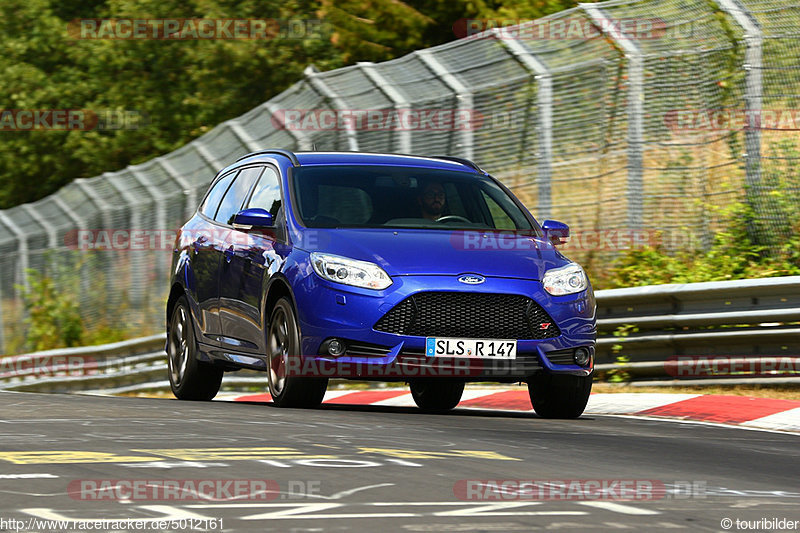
[620, 375]
[54, 318]
[735, 253]
[183, 88]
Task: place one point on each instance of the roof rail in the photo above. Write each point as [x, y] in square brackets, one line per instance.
[285, 153]
[461, 160]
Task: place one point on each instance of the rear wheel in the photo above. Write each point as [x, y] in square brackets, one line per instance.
[559, 396]
[283, 343]
[436, 394]
[189, 378]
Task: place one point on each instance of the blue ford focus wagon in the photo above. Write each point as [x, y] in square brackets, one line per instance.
[422, 270]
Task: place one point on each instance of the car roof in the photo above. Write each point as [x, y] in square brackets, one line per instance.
[368, 158]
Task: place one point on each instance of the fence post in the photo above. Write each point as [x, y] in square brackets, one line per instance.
[544, 104]
[300, 137]
[137, 270]
[400, 103]
[635, 109]
[22, 247]
[188, 191]
[462, 94]
[242, 135]
[753, 38]
[316, 82]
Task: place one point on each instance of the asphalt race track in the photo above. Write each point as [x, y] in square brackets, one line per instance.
[342, 468]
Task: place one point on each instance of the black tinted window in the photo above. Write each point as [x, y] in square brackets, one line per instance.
[374, 196]
[234, 198]
[267, 194]
[211, 203]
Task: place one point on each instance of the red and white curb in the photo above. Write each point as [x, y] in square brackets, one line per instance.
[755, 413]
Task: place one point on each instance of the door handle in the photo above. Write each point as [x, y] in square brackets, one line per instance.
[229, 254]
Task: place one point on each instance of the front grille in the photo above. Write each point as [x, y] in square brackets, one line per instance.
[469, 315]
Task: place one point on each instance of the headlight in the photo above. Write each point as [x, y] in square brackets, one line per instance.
[350, 271]
[565, 280]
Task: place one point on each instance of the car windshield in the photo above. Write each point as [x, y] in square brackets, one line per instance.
[402, 197]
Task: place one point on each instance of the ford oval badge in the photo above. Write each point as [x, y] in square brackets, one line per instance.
[471, 279]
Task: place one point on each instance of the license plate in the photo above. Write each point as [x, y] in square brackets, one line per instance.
[479, 348]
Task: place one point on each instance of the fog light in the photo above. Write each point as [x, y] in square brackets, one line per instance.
[336, 347]
[582, 356]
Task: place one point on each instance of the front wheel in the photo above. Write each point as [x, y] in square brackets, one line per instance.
[559, 396]
[189, 378]
[283, 347]
[436, 394]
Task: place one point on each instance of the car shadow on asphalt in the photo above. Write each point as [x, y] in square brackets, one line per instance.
[458, 411]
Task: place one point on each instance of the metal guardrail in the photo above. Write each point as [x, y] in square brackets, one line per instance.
[743, 320]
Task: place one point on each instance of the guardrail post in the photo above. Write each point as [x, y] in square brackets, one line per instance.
[753, 38]
[635, 109]
[400, 103]
[462, 94]
[544, 104]
[316, 82]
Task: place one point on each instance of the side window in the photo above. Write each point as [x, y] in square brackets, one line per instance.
[267, 194]
[234, 198]
[210, 204]
[500, 218]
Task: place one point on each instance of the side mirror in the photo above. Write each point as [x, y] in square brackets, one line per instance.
[253, 218]
[556, 232]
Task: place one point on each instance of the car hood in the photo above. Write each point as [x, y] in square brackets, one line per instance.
[439, 252]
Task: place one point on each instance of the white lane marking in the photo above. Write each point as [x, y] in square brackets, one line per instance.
[333, 394]
[619, 508]
[174, 464]
[406, 400]
[701, 423]
[168, 512]
[632, 402]
[27, 476]
[784, 421]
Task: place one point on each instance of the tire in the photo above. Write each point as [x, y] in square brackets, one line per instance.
[559, 396]
[283, 342]
[436, 394]
[189, 378]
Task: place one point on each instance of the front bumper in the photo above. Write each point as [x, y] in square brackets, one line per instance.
[327, 310]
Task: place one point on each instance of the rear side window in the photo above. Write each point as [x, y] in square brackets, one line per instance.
[211, 203]
[234, 199]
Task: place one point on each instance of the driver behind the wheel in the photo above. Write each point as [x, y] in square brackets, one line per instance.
[432, 200]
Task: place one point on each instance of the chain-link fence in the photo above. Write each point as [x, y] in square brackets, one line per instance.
[616, 117]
